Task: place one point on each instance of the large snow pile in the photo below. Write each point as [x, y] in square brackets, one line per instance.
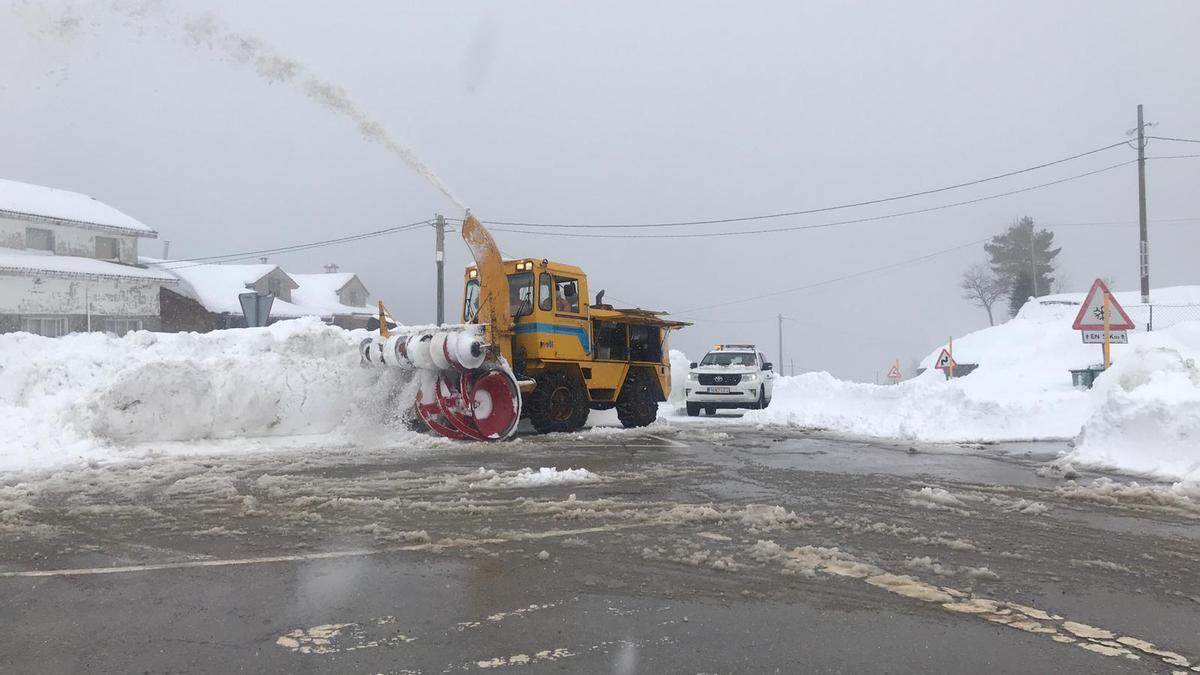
[85, 396]
[1148, 419]
[1143, 415]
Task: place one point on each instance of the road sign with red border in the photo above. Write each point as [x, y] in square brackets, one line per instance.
[894, 373]
[1091, 314]
[944, 360]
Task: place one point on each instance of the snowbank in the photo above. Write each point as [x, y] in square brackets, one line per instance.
[1142, 416]
[1148, 420]
[87, 397]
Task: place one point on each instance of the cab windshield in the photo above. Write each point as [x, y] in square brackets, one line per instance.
[728, 359]
[520, 293]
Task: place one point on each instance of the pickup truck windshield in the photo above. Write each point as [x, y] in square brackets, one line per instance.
[728, 359]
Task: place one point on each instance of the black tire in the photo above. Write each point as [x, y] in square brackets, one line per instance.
[637, 404]
[711, 410]
[557, 404]
[766, 400]
[693, 409]
[762, 399]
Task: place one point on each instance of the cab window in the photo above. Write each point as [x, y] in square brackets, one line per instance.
[545, 292]
[471, 301]
[520, 293]
[566, 295]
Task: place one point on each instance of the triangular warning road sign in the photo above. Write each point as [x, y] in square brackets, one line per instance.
[1091, 314]
[894, 373]
[944, 360]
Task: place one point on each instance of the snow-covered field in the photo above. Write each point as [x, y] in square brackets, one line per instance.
[1143, 415]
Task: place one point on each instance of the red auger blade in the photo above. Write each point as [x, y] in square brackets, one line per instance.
[484, 406]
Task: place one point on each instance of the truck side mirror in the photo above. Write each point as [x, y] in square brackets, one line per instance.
[693, 364]
[767, 366]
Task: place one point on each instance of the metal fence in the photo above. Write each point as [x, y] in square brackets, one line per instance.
[1155, 316]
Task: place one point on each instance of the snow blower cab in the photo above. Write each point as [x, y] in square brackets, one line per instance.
[530, 345]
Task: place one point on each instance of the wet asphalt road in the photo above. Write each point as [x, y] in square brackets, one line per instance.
[700, 548]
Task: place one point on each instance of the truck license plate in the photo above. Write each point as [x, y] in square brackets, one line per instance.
[720, 390]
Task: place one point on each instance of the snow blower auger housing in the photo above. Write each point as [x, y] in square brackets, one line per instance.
[530, 346]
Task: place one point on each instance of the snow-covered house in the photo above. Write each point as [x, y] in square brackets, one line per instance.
[70, 263]
[207, 296]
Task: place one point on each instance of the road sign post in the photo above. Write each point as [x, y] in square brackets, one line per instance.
[951, 354]
[1107, 332]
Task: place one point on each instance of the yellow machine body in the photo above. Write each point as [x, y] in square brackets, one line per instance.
[536, 313]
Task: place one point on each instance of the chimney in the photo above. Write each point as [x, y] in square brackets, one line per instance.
[331, 269]
[263, 260]
[166, 249]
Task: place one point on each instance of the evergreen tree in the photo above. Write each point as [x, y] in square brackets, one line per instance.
[1023, 258]
[1021, 291]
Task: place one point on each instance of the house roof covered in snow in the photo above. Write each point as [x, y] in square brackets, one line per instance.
[217, 287]
[46, 204]
[320, 292]
[17, 262]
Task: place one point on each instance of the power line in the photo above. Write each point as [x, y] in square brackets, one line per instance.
[785, 214]
[1180, 140]
[820, 225]
[229, 257]
[1174, 157]
[1157, 221]
[844, 277]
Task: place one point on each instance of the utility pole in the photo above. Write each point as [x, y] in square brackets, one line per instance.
[1144, 250]
[780, 362]
[1033, 260]
[440, 257]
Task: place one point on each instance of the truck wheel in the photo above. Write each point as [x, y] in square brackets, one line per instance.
[711, 411]
[637, 404]
[693, 409]
[762, 399]
[557, 404]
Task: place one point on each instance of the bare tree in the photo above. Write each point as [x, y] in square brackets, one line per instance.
[982, 287]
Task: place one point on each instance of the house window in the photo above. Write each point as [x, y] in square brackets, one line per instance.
[356, 299]
[108, 248]
[275, 287]
[122, 326]
[48, 326]
[38, 239]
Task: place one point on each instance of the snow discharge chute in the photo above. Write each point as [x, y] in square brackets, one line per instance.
[468, 391]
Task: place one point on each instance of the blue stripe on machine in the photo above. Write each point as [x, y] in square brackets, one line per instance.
[557, 329]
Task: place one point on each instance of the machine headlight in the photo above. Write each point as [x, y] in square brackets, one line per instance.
[750, 377]
[692, 377]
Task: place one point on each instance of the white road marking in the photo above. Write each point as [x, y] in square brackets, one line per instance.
[673, 443]
[186, 564]
[616, 442]
[301, 557]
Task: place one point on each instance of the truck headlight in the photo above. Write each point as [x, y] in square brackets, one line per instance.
[750, 377]
[692, 377]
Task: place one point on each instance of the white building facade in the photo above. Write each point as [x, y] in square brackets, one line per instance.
[69, 263]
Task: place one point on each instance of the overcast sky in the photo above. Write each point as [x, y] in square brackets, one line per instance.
[631, 112]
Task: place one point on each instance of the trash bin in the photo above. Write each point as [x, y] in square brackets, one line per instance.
[1085, 377]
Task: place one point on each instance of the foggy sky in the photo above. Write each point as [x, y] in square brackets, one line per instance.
[637, 112]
